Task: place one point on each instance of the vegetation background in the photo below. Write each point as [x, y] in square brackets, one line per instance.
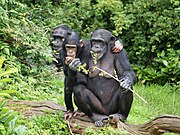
[150, 30]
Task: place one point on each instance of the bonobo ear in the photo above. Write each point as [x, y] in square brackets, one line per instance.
[112, 40]
[81, 43]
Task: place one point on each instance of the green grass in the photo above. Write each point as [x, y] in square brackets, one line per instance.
[161, 100]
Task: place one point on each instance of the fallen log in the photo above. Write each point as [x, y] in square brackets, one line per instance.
[30, 108]
[156, 126]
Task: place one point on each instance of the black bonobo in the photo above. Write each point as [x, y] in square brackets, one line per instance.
[97, 94]
[71, 49]
[58, 35]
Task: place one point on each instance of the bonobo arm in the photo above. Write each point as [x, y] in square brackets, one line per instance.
[123, 67]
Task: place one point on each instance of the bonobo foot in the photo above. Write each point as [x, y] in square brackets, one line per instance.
[99, 120]
[117, 115]
[68, 115]
[78, 113]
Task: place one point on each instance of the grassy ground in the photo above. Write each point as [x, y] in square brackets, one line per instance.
[161, 100]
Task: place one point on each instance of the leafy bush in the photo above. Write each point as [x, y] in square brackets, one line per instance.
[22, 41]
[153, 39]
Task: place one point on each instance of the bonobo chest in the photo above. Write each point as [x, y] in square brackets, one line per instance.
[106, 64]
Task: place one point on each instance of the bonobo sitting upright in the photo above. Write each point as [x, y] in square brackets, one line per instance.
[71, 49]
[58, 35]
[97, 94]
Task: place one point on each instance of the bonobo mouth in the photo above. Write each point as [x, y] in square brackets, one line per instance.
[57, 48]
[96, 56]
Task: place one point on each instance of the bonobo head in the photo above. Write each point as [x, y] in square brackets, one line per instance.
[101, 42]
[71, 46]
[59, 33]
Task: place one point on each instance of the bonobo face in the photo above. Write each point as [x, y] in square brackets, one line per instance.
[57, 43]
[57, 38]
[71, 51]
[98, 49]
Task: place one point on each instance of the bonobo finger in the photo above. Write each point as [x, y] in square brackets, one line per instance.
[115, 49]
[98, 123]
[74, 61]
[74, 64]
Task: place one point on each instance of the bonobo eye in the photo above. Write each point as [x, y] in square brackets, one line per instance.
[97, 42]
[58, 38]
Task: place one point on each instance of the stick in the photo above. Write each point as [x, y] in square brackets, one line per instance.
[69, 127]
[119, 82]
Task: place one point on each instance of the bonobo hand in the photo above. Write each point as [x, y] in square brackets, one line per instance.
[117, 47]
[68, 115]
[74, 64]
[125, 83]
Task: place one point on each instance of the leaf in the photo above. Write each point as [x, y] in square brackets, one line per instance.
[2, 59]
[165, 62]
[9, 71]
[6, 51]
[20, 130]
[3, 103]
[4, 80]
[162, 53]
[7, 91]
[4, 95]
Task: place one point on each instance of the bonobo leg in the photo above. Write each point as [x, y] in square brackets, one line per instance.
[86, 101]
[120, 105]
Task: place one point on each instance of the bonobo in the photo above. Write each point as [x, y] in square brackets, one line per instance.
[71, 49]
[97, 94]
[59, 33]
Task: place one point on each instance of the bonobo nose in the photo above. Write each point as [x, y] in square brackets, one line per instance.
[96, 46]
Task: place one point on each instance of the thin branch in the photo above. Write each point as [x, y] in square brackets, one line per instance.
[68, 124]
[119, 82]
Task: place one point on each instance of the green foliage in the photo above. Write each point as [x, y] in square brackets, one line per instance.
[22, 41]
[8, 121]
[5, 79]
[105, 131]
[48, 124]
[155, 30]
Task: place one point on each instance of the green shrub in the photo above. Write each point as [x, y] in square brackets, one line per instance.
[152, 39]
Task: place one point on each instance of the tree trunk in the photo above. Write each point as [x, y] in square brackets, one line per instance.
[157, 126]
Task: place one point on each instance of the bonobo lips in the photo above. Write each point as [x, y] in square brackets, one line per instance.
[95, 55]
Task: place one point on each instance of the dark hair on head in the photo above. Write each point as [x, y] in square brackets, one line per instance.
[63, 26]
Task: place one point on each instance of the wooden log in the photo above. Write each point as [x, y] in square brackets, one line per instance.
[30, 108]
[156, 126]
